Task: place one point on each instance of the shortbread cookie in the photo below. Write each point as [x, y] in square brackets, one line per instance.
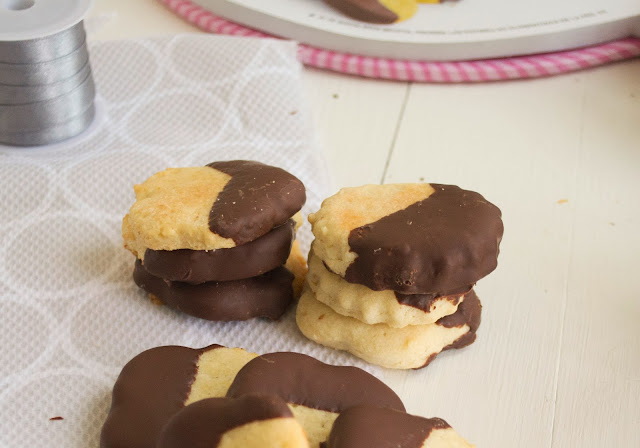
[410, 347]
[218, 206]
[316, 392]
[267, 295]
[198, 266]
[158, 383]
[376, 11]
[367, 427]
[251, 421]
[297, 265]
[410, 238]
[374, 307]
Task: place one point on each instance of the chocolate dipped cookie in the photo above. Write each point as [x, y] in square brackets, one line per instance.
[367, 427]
[220, 265]
[374, 307]
[408, 238]
[250, 421]
[378, 11]
[410, 347]
[158, 383]
[316, 392]
[219, 206]
[267, 295]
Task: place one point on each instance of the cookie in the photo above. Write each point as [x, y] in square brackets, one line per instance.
[374, 307]
[297, 265]
[158, 383]
[376, 11]
[367, 426]
[267, 295]
[248, 260]
[409, 238]
[251, 421]
[411, 347]
[316, 392]
[218, 206]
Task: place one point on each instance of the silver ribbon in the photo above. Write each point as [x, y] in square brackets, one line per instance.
[35, 116]
[31, 94]
[46, 88]
[54, 134]
[43, 49]
[44, 72]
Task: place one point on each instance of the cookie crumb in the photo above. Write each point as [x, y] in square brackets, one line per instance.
[293, 112]
[422, 179]
[155, 300]
[562, 201]
[56, 418]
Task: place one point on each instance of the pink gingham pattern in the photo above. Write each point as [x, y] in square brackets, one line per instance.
[446, 72]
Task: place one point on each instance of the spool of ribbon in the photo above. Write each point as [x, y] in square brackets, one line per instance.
[46, 86]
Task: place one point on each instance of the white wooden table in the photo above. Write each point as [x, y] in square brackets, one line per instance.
[557, 362]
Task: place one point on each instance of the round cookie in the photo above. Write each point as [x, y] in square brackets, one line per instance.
[218, 206]
[315, 391]
[409, 238]
[158, 383]
[249, 260]
[374, 307]
[367, 426]
[251, 421]
[268, 295]
[410, 347]
[376, 11]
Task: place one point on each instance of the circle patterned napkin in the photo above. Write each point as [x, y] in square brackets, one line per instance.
[71, 314]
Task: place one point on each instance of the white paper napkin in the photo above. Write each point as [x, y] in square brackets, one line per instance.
[71, 314]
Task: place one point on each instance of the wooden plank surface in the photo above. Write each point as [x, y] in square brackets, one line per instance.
[598, 401]
[356, 122]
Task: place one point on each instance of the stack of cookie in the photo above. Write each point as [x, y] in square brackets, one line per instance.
[218, 242]
[174, 397]
[392, 268]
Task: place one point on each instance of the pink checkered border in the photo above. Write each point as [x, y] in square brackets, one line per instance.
[446, 72]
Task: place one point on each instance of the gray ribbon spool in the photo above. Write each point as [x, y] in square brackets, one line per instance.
[10, 95]
[43, 49]
[52, 134]
[46, 85]
[44, 72]
[36, 116]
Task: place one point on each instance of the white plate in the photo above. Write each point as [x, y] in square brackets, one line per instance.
[467, 29]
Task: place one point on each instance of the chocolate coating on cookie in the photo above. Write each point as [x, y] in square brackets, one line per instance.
[267, 295]
[256, 199]
[301, 379]
[469, 313]
[367, 426]
[371, 11]
[424, 302]
[203, 423]
[440, 244]
[249, 260]
[151, 388]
